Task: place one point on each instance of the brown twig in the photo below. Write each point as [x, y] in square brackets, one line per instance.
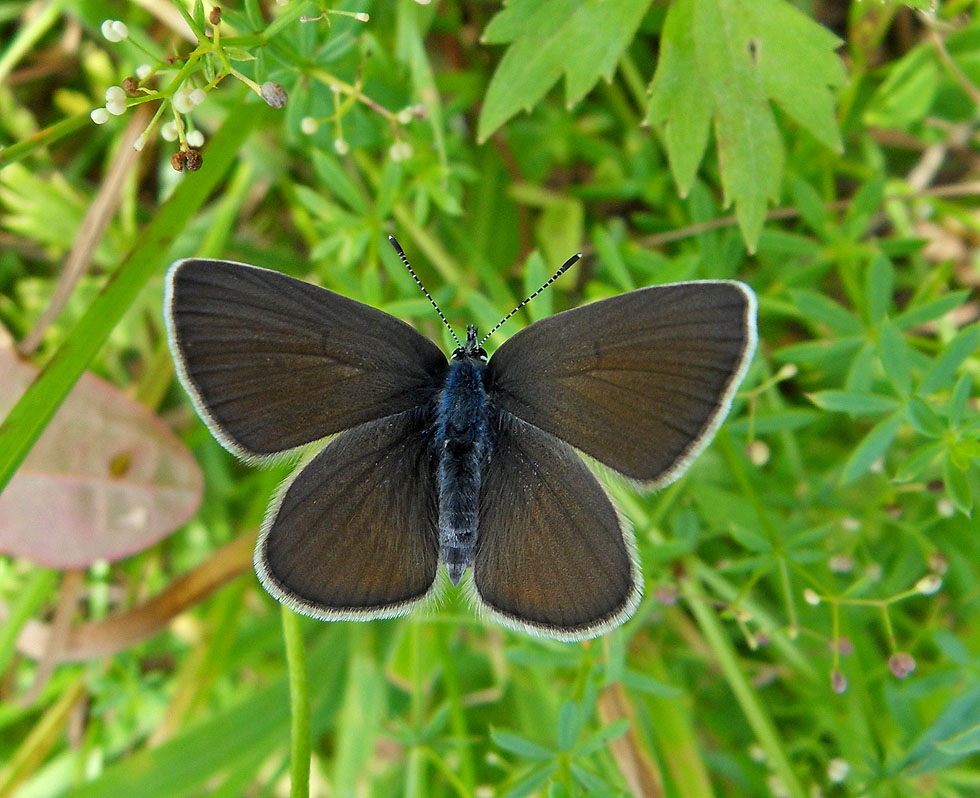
[117, 632]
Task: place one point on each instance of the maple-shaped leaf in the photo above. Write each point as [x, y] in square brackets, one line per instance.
[583, 39]
[724, 61]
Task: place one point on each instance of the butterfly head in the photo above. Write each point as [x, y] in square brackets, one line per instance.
[471, 349]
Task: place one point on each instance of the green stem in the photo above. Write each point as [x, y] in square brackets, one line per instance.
[31, 597]
[727, 659]
[42, 137]
[299, 701]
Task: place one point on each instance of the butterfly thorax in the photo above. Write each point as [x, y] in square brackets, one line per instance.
[461, 442]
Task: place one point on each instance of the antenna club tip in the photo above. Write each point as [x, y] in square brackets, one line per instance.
[391, 238]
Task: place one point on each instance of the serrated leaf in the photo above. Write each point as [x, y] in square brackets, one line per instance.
[726, 59]
[684, 115]
[549, 38]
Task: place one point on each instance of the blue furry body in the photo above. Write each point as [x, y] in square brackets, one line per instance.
[462, 444]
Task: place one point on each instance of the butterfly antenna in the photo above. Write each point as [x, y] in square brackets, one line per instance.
[418, 282]
[564, 267]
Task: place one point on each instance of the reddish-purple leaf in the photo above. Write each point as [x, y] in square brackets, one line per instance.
[107, 478]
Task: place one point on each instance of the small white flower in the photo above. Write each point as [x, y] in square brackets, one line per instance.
[360, 16]
[140, 142]
[341, 147]
[837, 770]
[811, 597]
[143, 71]
[945, 508]
[849, 524]
[308, 125]
[405, 116]
[400, 151]
[195, 139]
[99, 115]
[197, 96]
[182, 100]
[758, 453]
[169, 131]
[115, 94]
[929, 584]
[116, 107]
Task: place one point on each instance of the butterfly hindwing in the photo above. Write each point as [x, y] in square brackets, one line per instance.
[354, 534]
[639, 381]
[273, 363]
[552, 554]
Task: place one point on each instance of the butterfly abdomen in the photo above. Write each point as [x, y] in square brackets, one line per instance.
[461, 440]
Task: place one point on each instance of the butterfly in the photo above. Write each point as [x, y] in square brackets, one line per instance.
[471, 461]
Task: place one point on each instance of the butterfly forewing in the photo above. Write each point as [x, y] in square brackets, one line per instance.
[274, 363]
[354, 534]
[640, 381]
[552, 555]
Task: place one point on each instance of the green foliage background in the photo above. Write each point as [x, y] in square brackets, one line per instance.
[826, 535]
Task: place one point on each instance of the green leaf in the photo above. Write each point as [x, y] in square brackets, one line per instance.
[957, 402]
[549, 38]
[944, 367]
[817, 307]
[725, 60]
[964, 743]
[858, 404]
[684, 115]
[516, 744]
[569, 725]
[924, 418]
[603, 737]
[907, 93]
[881, 282]
[894, 354]
[875, 443]
[957, 486]
[933, 309]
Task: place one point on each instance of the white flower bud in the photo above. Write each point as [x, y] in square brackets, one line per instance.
[109, 31]
[197, 96]
[195, 139]
[116, 107]
[929, 584]
[140, 142]
[811, 597]
[143, 71]
[309, 125]
[341, 147]
[837, 770]
[120, 30]
[400, 151]
[169, 131]
[182, 101]
[115, 94]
